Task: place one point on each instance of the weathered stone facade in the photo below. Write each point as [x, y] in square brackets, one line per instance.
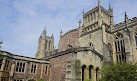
[18, 68]
[81, 51]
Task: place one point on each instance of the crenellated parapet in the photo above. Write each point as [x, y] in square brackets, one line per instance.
[122, 25]
[93, 19]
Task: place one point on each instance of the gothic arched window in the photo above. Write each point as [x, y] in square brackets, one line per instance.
[83, 72]
[90, 71]
[120, 47]
[97, 74]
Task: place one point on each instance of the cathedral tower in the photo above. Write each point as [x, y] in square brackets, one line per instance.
[97, 24]
[45, 45]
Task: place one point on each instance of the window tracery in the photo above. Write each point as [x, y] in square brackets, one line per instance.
[120, 48]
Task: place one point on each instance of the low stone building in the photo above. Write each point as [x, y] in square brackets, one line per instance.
[81, 52]
[21, 68]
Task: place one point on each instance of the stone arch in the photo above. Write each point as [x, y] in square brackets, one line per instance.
[91, 69]
[84, 67]
[97, 73]
[120, 47]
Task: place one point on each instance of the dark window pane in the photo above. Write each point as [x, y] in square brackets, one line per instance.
[23, 64]
[116, 46]
[46, 70]
[20, 64]
[31, 70]
[32, 66]
[35, 66]
[0, 66]
[22, 69]
[136, 40]
[16, 69]
[1, 60]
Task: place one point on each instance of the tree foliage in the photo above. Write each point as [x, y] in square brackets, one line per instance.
[1, 56]
[41, 80]
[119, 72]
[0, 44]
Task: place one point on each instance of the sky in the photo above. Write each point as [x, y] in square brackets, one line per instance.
[22, 21]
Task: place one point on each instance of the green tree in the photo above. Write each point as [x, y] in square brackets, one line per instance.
[119, 72]
[41, 80]
[1, 56]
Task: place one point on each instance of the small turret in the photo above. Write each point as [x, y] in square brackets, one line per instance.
[98, 2]
[126, 20]
[52, 36]
[80, 25]
[83, 12]
[110, 10]
[109, 7]
[61, 33]
[99, 14]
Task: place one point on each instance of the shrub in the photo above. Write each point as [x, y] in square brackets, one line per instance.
[41, 80]
[119, 72]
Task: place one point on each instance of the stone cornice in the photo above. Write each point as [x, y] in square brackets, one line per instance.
[74, 50]
[24, 58]
[99, 28]
[119, 28]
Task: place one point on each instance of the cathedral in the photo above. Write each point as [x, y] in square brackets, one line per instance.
[81, 52]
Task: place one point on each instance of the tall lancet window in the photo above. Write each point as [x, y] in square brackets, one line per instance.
[120, 48]
[136, 37]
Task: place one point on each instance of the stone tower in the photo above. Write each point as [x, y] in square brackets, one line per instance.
[95, 30]
[45, 45]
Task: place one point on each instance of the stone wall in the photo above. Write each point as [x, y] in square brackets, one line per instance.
[71, 38]
[40, 73]
[58, 68]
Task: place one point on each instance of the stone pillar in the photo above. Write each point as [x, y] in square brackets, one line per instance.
[73, 71]
[104, 33]
[3, 64]
[12, 70]
[86, 73]
[41, 71]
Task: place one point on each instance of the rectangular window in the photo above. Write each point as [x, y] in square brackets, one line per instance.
[1, 63]
[20, 66]
[46, 69]
[33, 68]
[6, 65]
[91, 16]
[3, 80]
[88, 18]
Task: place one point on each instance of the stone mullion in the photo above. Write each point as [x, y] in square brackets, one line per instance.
[3, 64]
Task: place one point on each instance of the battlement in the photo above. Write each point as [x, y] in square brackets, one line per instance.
[123, 23]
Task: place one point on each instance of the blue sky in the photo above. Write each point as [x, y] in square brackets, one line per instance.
[22, 21]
